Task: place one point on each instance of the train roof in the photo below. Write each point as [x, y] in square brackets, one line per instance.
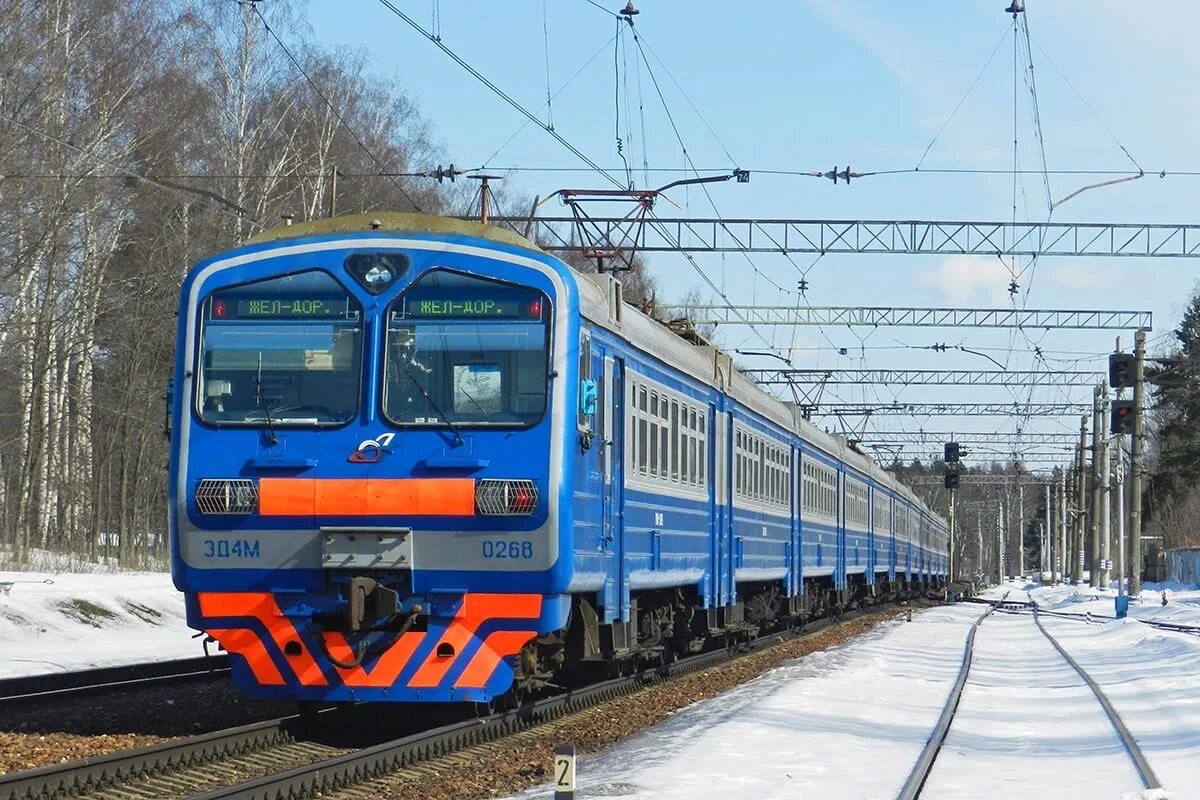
[705, 363]
[395, 222]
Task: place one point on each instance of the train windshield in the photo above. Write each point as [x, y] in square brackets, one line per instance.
[284, 351]
[463, 351]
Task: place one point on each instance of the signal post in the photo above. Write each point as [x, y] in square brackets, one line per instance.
[1135, 467]
[951, 482]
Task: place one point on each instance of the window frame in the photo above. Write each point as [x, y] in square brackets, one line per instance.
[547, 323]
[198, 366]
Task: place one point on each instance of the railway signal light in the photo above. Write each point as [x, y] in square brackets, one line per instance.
[1123, 412]
[952, 452]
[1122, 370]
[951, 480]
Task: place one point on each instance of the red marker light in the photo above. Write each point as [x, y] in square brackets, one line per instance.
[218, 309]
[535, 308]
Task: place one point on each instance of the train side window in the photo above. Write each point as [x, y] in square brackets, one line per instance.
[664, 444]
[674, 446]
[585, 372]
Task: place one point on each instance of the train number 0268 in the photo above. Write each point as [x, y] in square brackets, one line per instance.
[505, 548]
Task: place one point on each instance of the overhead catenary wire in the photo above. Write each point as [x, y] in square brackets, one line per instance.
[662, 230]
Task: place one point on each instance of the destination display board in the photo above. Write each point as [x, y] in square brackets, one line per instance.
[244, 307]
[500, 305]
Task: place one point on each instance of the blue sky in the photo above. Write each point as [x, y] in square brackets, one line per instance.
[810, 85]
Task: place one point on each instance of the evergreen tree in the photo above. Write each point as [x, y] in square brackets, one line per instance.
[1177, 411]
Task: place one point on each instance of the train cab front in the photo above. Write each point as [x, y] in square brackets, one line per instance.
[366, 466]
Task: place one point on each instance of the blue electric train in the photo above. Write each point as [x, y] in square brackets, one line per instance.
[419, 459]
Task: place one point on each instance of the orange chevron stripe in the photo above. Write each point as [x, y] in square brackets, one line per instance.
[474, 610]
[246, 644]
[386, 670]
[262, 606]
[362, 497]
[496, 646]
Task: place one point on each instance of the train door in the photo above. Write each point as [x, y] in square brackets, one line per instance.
[723, 541]
[840, 578]
[612, 427]
[797, 551]
[716, 471]
[873, 532]
[893, 532]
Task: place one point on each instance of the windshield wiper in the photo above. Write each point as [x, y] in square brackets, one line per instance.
[266, 407]
[449, 422]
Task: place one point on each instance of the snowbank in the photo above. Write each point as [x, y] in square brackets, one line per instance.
[69, 621]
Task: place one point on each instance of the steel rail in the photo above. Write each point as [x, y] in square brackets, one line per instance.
[933, 745]
[93, 775]
[1145, 773]
[355, 768]
[1175, 627]
[79, 683]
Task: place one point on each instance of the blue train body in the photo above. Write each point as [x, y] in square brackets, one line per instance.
[419, 459]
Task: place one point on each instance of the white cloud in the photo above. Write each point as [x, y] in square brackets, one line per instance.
[1087, 277]
[964, 280]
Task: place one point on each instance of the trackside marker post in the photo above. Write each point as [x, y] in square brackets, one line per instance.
[564, 772]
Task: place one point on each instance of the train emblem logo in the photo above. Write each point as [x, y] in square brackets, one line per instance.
[371, 450]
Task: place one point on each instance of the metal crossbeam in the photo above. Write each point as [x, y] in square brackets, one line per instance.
[913, 317]
[991, 438]
[910, 377]
[983, 480]
[952, 409]
[905, 456]
[716, 235]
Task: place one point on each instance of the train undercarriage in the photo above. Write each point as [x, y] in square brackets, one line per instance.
[667, 624]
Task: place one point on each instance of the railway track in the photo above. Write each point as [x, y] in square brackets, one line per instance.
[81, 683]
[1030, 606]
[288, 758]
[924, 766]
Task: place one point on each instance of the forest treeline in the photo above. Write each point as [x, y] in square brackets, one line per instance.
[139, 137]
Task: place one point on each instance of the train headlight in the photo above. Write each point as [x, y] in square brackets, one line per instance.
[226, 496]
[377, 271]
[501, 498]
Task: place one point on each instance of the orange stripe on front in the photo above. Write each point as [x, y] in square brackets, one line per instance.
[496, 646]
[283, 497]
[386, 670]
[359, 497]
[262, 606]
[246, 644]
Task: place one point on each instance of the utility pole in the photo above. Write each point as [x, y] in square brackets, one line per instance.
[1081, 502]
[950, 569]
[1049, 534]
[979, 541]
[1021, 529]
[1135, 468]
[1121, 569]
[1094, 550]
[1000, 545]
[1105, 490]
[1062, 524]
[333, 176]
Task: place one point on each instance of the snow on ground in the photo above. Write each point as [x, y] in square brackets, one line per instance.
[59, 622]
[1182, 608]
[842, 723]
[1027, 724]
[849, 722]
